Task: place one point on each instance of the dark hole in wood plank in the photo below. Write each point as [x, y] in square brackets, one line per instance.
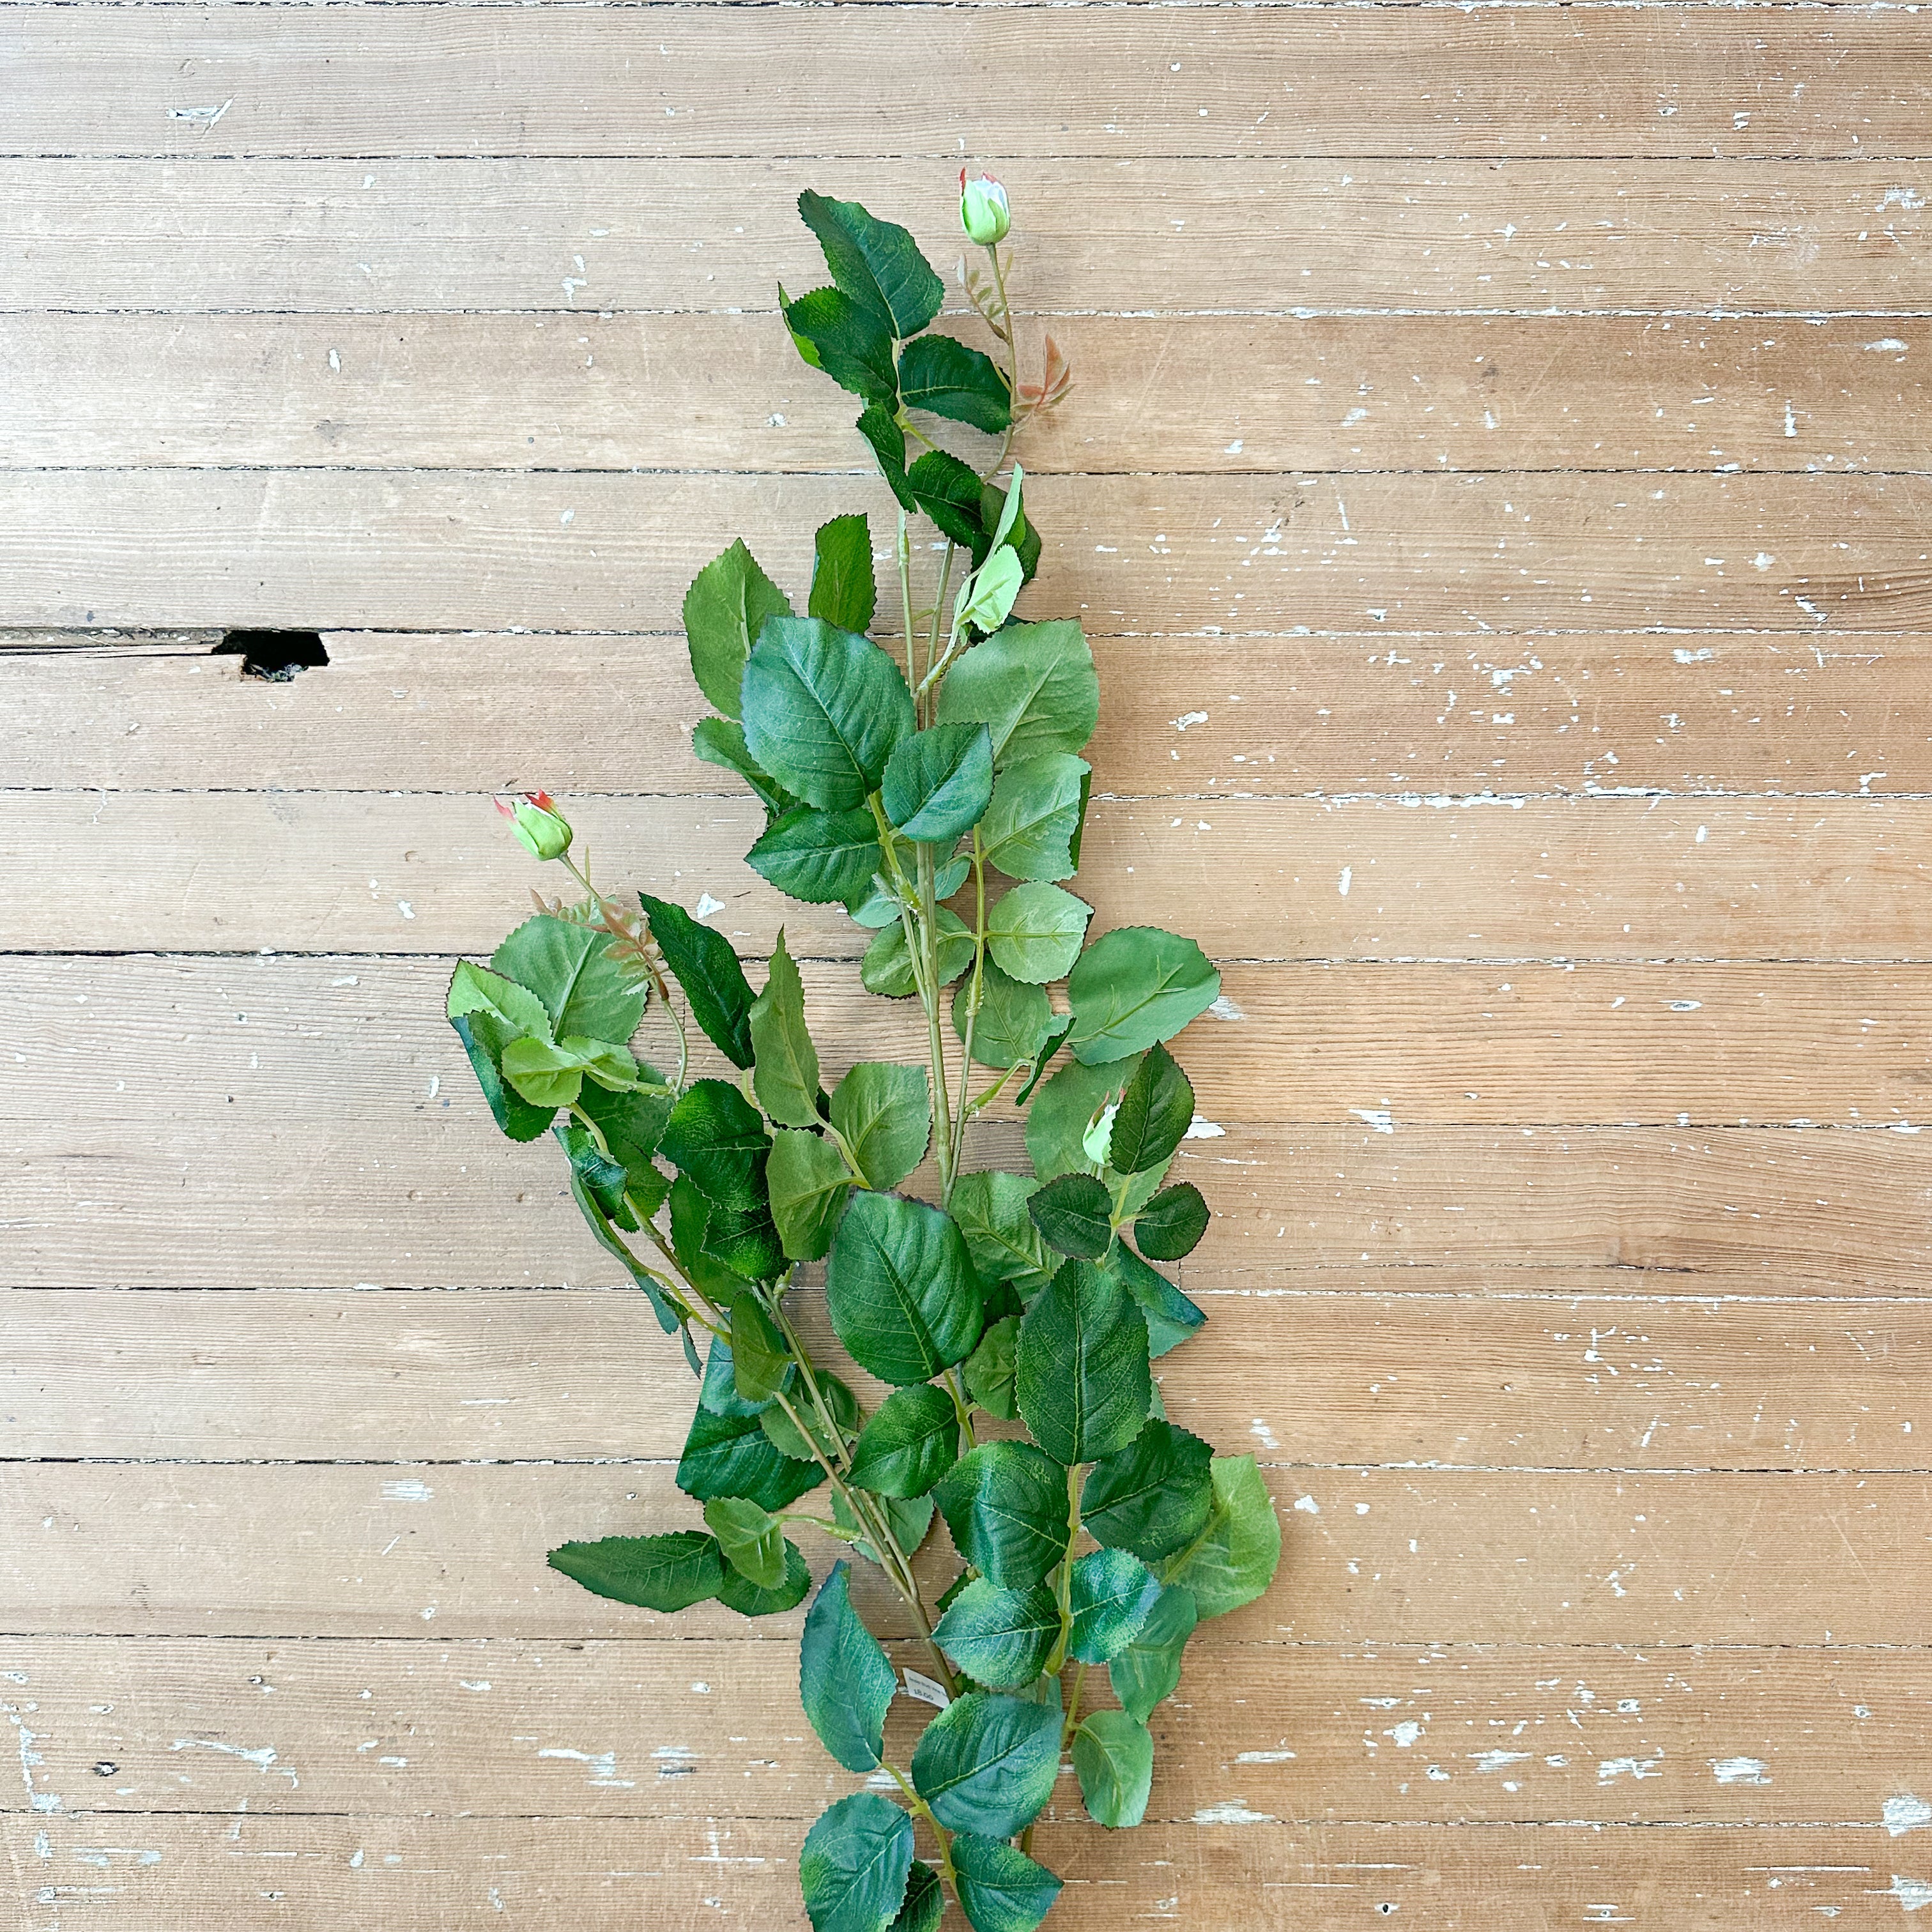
[276, 656]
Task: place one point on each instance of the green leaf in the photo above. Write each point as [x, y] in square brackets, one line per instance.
[1031, 824]
[745, 1241]
[844, 591]
[1000, 1638]
[484, 1037]
[1112, 1592]
[823, 857]
[476, 989]
[718, 1391]
[991, 1208]
[1000, 1888]
[1071, 1213]
[789, 1440]
[724, 610]
[632, 1125]
[1006, 1504]
[948, 492]
[900, 1290]
[877, 263]
[809, 1184]
[989, 1369]
[1033, 685]
[1083, 1385]
[1005, 521]
[884, 1111]
[987, 595]
[707, 968]
[850, 342]
[544, 1074]
[691, 1219]
[986, 1764]
[1114, 1756]
[738, 1592]
[924, 1904]
[824, 708]
[909, 1445]
[886, 968]
[1172, 1223]
[1034, 931]
[1152, 1496]
[879, 428]
[761, 1364]
[660, 1573]
[1171, 1317]
[784, 1066]
[947, 379]
[938, 782]
[1233, 1560]
[1056, 1129]
[1149, 1668]
[1157, 1110]
[721, 741]
[908, 1518]
[731, 1456]
[845, 1681]
[604, 1178]
[569, 968]
[1133, 986]
[1014, 1019]
[750, 1538]
[854, 1863]
[716, 1135]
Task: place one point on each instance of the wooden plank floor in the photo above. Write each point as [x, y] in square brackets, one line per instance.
[1497, 486]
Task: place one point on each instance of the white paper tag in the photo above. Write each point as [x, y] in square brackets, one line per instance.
[920, 1686]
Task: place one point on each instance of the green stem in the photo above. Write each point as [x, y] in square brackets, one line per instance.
[903, 550]
[1057, 1662]
[938, 612]
[961, 1113]
[920, 1809]
[942, 1107]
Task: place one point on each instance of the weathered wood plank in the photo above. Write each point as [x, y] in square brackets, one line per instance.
[183, 236]
[1719, 712]
[1215, 393]
[351, 1875]
[1210, 557]
[1449, 1372]
[712, 1728]
[1127, 82]
[1422, 1557]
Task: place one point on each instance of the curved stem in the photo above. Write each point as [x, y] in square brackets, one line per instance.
[920, 1809]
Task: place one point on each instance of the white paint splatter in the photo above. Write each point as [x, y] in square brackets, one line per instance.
[409, 1491]
[1405, 1733]
[1188, 718]
[1913, 1893]
[1262, 1434]
[706, 905]
[1198, 1129]
[1225, 1008]
[1380, 1118]
[1348, 879]
[1495, 1760]
[1906, 1814]
[1308, 1505]
[262, 1757]
[1739, 1771]
[1265, 1757]
[1684, 657]
[602, 1766]
[1232, 1811]
[1611, 1768]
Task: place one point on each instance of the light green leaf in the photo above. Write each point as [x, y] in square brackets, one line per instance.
[569, 968]
[1033, 684]
[1006, 1504]
[724, 610]
[938, 782]
[544, 1074]
[824, 858]
[986, 597]
[907, 1517]
[484, 1038]
[824, 708]
[1233, 1560]
[1014, 1019]
[761, 1364]
[1133, 986]
[1000, 1638]
[659, 1572]
[1083, 1385]
[900, 1290]
[750, 1537]
[989, 1369]
[877, 263]
[1114, 1756]
[721, 741]
[854, 1863]
[1000, 1888]
[738, 1592]
[789, 1440]
[886, 968]
[1030, 827]
[476, 989]
[884, 1111]
[844, 590]
[986, 1764]
[947, 378]
[991, 1208]
[845, 1681]
[1152, 1496]
[808, 1182]
[1112, 1592]
[1034, 931]
[1149, 1668]
[909, 1445]
[784, 1066]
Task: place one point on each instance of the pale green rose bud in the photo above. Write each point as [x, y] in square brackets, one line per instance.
[983, 212]
[535, 820]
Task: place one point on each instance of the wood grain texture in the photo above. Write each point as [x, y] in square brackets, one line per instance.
[186, 237]
[437, 80]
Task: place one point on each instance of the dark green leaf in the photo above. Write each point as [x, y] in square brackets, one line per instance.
[907, 1517]
[1034, 931]
[989, 1369]
[886, 968]
[721, 741]
[605, 1179]
[660, 1573]
[833, 333]
[1056, 1129]
[690, 1218]
[1000, 1888]
[1033, 684]
[738, 1592]
[1112, 1593]
[1157, 1110]
[879, 428]
[1082, 1384]
[1133, 986]
[1171, 1317]
[670, 1319]
[1071, 1213]
[1149, 1668]
[1172, 1223]
[1006, 1504]
[884, 1111]
[483, 1038]
[632, 1125]
[877, 263]
[707, 969]
[750, 1538]
[569, 968]
[1233, 1560]
[924, 1901]
[824, 858]
[761, 1364]
[845, 1680]
[991, 1208]
[844, 591]
[854, 1863]
[900, 1289]
[731, 1456]
[986, 1764]
[745, 1241]
[714, 1136]
[724, 610]
[1114, 1756]
[809, 1184]
[1014, 1019]
[944, 376]
[1056, 1037]
[718, 1392]
[824, 708]
[789, 1440]
[948, 492]
[784, 1072]
[909, 1445]
[1152, 1496]
[1031, 824]
[938, 782]
[1000, 1638]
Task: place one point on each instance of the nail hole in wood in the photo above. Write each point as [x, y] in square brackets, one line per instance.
[276, 656]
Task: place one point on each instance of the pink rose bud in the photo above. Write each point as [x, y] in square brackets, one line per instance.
[535, 821]
[983, 212]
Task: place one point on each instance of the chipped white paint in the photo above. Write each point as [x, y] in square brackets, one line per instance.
[1905, 1813]
[1348, 879]
[30, 1758]
[705, 906]
[1308, 1505]
[1495, 1760]
[408, 1490]
[1405, 1733]
[201, 117]
[1232, 1811]
[261, 1757]
[1198, 1129]
[602, 1766]
[1913, 1894]
[1380, 1118]
[1265, 1757]
[1189, 717]
[1611, 1768]
[1739, 1771]
[1684, 657]
[1262, 1434]
[1225, 1008]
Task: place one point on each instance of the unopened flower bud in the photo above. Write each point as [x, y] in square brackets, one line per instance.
[535, 820]
[983, 212]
